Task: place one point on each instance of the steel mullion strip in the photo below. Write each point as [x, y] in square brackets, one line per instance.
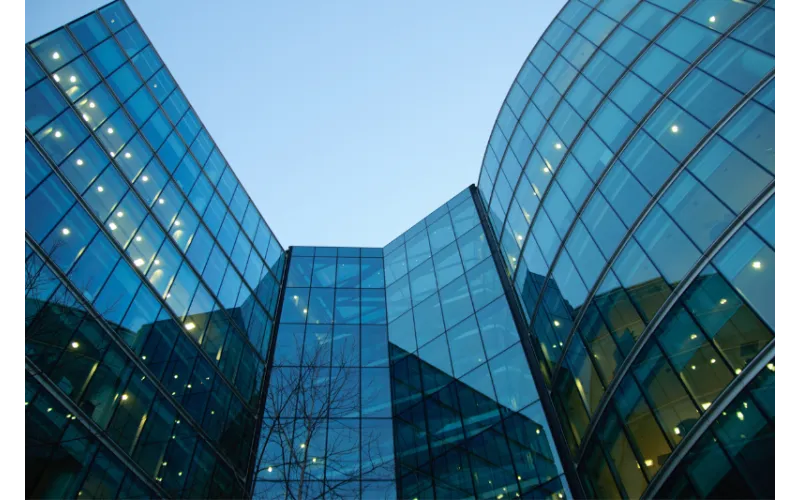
[551, 416]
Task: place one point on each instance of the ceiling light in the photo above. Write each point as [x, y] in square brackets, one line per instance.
[91, 104]
[648, 462]
[75, 345]
[145, 178]
[189, 326]
[138, 238]
[177, 222]
[113, 226]
[737, 371]
[58, 133]
[740, 415]
[99, 189]
[723, 301]
[713, 360]
[65, 231]
[712, 19]
[269, 469]
[56, 78]
[73, 79]
[674, 129]
[79, 162]
[694, 367]
[124, 397]
[756, 264]
[157, 262]
[770, 367]
[85, 117]
[705, 405]
[558, 145]
[120, 213]
[110, 130]
[693, 336]
[557, 323]
[56, 55]
[138, 262]
[161, 201]
[677, 431]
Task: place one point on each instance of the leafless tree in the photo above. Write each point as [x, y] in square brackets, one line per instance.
[302, 404]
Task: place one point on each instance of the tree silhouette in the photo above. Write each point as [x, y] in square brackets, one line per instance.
[307, 452]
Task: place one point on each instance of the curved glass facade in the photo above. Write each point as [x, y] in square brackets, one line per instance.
[629, 180]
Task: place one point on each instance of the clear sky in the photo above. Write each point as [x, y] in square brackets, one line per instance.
[347, 121]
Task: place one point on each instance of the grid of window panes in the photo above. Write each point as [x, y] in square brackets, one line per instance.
[633, 144]
[168, 270]
[468, 420]
[735, 457]
[327, 417]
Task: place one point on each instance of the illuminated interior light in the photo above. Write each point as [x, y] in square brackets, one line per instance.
[723, 301]
[138, 238]
[50, 409]
[85, 117]
[57, 134]
[124, 397]
[120, 213]
[65, 231]
[694, 367]
[113, 226]
[737, 371]
[91, 104]
[740, 415]
[712, 19]
[705, 405]
[144, 357]
[56, 78]
[73, 79]
[99, 189]
[189, 326]
[169, 295]
[157, 262]
[756, 264]
[557, 323]
[770, 367]
[713, 360]
[75, 345]
[305, 311]
[79, 162]
[127, 155]
[648, 463]
[538, 431]
[269, 469]
[558, 145]
[145, 178]
[161, 201]
[113, 154]
[675, 129]
[676, 431]
[138, 262]
[693, 336]
[302, 445]
[56, 55]
[314, 460]
[177, 223]
[546, 170]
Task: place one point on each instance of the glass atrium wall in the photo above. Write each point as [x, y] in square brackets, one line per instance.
[327, 426]
[630, 181]
[468, 420]
[151, 278]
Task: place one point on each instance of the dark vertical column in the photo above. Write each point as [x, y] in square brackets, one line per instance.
[522, 326]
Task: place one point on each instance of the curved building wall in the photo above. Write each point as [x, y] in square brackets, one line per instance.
[630, 182]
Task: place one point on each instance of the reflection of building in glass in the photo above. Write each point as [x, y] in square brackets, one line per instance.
[594, 319]
[629, 179]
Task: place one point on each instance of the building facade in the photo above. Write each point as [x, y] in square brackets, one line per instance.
[594, 319]
[630, 183]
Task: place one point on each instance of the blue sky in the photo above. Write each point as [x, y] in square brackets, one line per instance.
[349, 121]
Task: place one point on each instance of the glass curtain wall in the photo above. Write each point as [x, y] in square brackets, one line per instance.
[630, 181]
[151, 278]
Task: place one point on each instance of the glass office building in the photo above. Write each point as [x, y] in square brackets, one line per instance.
[594, 319]
[630, 183]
